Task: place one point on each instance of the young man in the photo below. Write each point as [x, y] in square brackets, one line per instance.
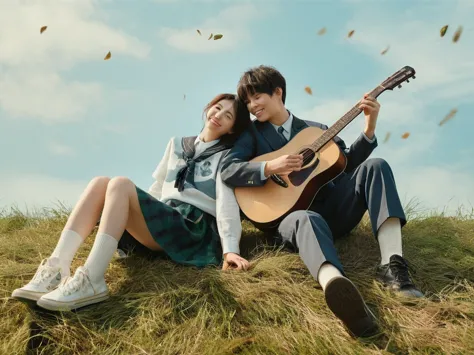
[366, 184]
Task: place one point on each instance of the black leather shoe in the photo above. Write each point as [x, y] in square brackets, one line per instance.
[345, 301]
[395, 276]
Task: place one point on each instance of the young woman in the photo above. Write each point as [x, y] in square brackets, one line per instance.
[188, 213]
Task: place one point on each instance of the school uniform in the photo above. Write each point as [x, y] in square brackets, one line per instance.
[366, 184]
[188, 210]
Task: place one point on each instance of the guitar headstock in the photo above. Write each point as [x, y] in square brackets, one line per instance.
[398, 78]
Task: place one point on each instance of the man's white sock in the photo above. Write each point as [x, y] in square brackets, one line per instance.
[68, 245]
[326, 273]
[99, 258]
[390, 239]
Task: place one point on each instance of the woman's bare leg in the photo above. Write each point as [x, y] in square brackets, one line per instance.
[121, 212]
[80, 223]
[87, 211]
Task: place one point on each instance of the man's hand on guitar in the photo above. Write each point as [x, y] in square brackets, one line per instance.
[284, 165]
[371, 109]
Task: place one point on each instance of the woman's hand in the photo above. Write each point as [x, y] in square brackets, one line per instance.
[235, 261]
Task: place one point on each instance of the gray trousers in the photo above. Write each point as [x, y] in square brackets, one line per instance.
[370, 187]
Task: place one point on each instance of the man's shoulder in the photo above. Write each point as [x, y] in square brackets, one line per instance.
[301, 121]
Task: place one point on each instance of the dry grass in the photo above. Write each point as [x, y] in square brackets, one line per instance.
[157, 307]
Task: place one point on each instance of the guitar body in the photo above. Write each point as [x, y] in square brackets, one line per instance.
[265, 206]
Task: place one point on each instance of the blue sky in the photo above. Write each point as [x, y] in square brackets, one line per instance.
[66, 115]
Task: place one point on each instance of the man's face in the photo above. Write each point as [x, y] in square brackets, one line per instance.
[263, 106]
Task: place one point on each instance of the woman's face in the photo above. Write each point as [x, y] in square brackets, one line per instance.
[220, 118]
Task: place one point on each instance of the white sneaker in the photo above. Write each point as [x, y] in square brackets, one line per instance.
[47, 278]
[77, 291]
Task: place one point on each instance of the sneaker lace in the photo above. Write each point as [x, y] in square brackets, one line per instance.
[44, 272]
[400, 269]
[74, 284]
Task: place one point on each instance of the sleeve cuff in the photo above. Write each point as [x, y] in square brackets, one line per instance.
[367, 138]
[230, 245]
[262, 171]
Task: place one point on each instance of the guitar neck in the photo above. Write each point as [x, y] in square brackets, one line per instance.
[343, 121]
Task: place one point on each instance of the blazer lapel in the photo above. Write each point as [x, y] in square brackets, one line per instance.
[297, 126]
[271, 136]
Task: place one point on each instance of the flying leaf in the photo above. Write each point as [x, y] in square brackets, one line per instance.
[308, 90]
[322, 31]
[457, 34]
[405, 135]
[210, 37]
[218, 36]
[385, 50]
[107, 57]
[42, 29]
[443, 30]
[184, 97]
[350, 33]
[449, 116]
[387, 136]
[199, 32]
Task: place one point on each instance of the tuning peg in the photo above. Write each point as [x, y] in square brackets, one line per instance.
[408, 81]
[399, 86]
[414, 77]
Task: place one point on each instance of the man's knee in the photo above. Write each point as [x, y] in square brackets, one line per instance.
[297, 218]
[376, 164]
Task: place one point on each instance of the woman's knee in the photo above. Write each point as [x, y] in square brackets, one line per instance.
[120, 184]
[99, 183]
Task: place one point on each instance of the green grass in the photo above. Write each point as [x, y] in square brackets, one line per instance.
[157, 307]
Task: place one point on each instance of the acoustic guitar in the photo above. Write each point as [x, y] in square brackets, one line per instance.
[323, 160]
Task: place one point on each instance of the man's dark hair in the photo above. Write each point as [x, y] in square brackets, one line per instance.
[262, 79]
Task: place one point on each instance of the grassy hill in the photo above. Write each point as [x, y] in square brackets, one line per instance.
[157, 307]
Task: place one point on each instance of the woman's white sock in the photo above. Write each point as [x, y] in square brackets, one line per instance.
[99, 258]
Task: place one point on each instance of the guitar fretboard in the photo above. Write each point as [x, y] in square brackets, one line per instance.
[342, 122]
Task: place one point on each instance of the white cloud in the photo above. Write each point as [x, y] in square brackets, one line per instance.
[233, 23]
[32, 63]
[44, 95]
[61, 149]
[35, 191]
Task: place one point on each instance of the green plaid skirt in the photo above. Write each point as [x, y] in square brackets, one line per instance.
[186, 234]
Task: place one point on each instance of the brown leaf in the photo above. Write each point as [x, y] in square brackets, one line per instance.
[308, 90]
[322, 31]
[199, 32]
[443, 30]
[350, 33]
[449, 116]
[385, 50]
[42, 29]
[107, 57]
[405, 135]
[387, 136]
[210, 37]
[217, 36]
[457, 34]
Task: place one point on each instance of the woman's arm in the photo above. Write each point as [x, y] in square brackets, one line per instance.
[228, 217]
[160, 173]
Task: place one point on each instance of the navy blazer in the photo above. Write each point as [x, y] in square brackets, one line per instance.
[261, 138]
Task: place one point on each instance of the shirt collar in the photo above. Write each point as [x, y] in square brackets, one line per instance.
[203, 144]
[287, 125]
